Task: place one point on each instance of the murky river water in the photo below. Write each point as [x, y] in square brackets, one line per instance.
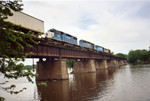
[126, 83]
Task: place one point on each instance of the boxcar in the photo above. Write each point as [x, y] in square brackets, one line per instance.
[98, 48]
[86, 44]
[27, 22]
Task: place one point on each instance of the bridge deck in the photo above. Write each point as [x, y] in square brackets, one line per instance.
[45, 51]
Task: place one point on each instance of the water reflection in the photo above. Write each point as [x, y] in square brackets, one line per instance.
[126, 83]
[55, 91]
[82, 87]
[79, 87]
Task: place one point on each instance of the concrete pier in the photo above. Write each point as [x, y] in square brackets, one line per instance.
[121, 62]
[125, 62]
[56, 69]
[52, 69]
[113, 63]
[84, 66]
[102, 64]
[117, 63]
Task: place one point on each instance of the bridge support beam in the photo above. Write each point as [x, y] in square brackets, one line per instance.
[52, 69]
[101, 64]
[110, 63]
[84, 66]
[113, 63]
[125, 62]
[121, 62]
[117, 63]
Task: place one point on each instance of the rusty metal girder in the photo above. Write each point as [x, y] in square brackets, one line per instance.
[45, 51]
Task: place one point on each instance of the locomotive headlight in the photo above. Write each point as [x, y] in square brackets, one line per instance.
[49, 34]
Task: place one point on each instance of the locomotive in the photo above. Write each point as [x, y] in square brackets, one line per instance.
[72, 40]
[61, 36]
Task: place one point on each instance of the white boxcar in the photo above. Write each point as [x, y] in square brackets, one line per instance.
[27, 22]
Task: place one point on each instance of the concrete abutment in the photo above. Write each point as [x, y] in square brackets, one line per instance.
[84, 66]
[113, 63]
[52, 70]
[56, 69]
[101, 64]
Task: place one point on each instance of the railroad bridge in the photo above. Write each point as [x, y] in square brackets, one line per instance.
[54, 67]
[56, 54]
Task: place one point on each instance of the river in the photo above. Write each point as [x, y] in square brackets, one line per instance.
[126, 83]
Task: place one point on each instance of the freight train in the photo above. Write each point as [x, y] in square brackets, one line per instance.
[61, 36]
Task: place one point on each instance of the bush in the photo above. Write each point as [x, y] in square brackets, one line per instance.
[149, 59]
[70, 63]
[138, 56]
[138, 61]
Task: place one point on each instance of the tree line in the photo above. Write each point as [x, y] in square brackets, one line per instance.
[136, 56]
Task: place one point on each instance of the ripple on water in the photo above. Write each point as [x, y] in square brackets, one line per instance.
[127, 83]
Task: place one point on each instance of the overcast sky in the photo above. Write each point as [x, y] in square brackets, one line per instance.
[120, 25]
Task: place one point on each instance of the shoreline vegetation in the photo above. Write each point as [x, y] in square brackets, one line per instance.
[136, 56]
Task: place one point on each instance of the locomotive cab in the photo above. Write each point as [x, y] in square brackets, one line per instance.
[54, 34]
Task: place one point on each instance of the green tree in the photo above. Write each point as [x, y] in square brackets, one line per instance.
[132, 56]
[70, 63]
[149, 55]
[138, 56]
[121, 55]
[12, 44]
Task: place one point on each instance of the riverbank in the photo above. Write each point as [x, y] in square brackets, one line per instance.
[141, 63]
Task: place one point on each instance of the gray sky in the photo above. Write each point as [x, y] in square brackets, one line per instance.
[120, 25]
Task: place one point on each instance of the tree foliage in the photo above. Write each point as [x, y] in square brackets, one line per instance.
[29, 67]
[138, 56]
[70, 63]
[13, 42]
[121, 55]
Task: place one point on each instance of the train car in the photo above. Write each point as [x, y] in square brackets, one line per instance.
[52, 33]
[58, 35]
[107, 51]
[69, 38]
[99, 48]
[27, 22]
[86, 44]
